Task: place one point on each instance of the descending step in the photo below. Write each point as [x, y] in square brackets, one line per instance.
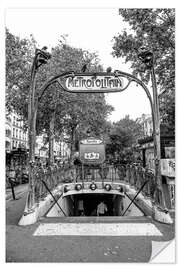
[95, 219]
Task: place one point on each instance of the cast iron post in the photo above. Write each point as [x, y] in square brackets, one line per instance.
[41, 57]
[147, 58]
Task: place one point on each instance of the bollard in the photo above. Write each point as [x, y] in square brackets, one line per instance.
[11, 181]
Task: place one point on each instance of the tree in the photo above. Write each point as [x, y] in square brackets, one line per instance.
[123, 134]
[19, 53]
[67, 113]
[154, 28]
[74, 112]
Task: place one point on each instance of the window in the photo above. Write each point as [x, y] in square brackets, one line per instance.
[7, 145]
[13, 132]
[16, 133]
[8, 133]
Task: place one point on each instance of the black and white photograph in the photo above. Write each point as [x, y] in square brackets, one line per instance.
[89, 134]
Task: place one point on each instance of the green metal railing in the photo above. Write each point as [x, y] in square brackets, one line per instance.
[52, 176]
[132, 174]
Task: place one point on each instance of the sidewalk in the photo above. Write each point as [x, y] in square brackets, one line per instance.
[17, 190]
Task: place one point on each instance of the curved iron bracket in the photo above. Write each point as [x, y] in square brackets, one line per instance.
[119, 75]
[61, 79]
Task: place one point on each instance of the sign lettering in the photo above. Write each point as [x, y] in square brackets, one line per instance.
[91, 155]
[91, 141]
[94, 83]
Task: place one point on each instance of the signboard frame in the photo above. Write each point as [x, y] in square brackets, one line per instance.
[91, 149]
[108, 81]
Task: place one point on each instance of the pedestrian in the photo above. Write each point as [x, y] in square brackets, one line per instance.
[101, 209]
[81, 208]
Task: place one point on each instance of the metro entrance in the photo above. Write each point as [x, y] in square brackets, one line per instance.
[100, 82]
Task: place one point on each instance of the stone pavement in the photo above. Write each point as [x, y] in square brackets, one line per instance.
[32, 244]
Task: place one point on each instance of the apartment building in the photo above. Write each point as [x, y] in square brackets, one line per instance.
[19, 137]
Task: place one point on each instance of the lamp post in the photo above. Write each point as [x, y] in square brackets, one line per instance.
[41, 57]
[147, 57]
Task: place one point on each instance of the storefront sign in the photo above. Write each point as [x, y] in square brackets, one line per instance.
[168, 167]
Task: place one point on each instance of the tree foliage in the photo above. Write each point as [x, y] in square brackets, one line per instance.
[123, 134]
[19, 53]
[155, 29]
[72, 112]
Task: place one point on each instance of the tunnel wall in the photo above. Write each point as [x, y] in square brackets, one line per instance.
[118, 205]
[133, 210]
[67, 206]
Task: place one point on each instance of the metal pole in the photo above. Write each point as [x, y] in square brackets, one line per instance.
[31, 135]
[157, 142]
[41, 57]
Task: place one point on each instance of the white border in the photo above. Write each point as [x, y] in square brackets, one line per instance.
[75, 4]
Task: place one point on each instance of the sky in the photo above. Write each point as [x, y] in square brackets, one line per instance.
[91, 29]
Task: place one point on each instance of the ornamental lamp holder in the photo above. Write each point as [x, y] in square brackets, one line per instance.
[107, 187]
[93, 186]
[78, 187]
[146, 56]
[41, 57]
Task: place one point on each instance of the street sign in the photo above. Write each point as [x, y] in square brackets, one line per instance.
[91, 141]
[89, 82]
[92, 151]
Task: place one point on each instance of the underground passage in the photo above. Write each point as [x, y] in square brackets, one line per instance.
[98, 204]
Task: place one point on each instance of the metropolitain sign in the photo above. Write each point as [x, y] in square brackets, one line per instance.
[99, 83]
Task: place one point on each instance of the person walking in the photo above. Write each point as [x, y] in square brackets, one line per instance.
[101, 209]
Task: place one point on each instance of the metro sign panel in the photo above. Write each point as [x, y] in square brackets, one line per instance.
[92, 151]
[94, 83]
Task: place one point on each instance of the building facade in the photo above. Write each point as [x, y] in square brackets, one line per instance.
[147, 125]
[19, 137]
[15, 136]
[8, 133]
[61, 149]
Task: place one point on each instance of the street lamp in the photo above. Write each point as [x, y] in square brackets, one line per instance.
[41, 57]
[147, 57]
